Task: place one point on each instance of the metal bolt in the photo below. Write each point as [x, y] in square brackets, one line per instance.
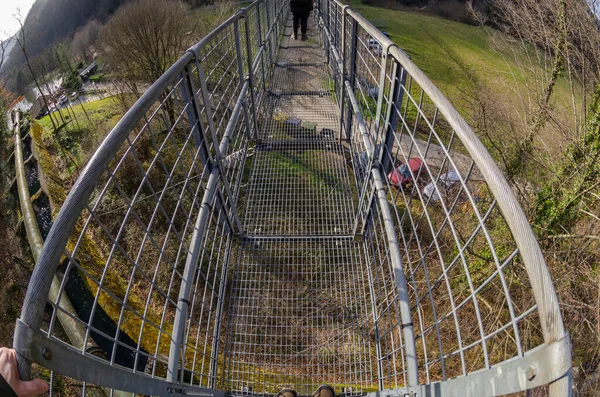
[47, 353]
[531, 372]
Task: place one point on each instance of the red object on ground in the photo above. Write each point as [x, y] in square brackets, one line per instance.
[402, 174]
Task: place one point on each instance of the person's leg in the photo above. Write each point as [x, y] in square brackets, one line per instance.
[304, 24]
[296, 22]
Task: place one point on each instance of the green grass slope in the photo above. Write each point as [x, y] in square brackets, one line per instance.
[105, 110]
[447, 51]
[454, 55]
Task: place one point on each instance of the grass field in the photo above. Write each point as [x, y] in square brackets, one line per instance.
[106, 112]
[454, 55]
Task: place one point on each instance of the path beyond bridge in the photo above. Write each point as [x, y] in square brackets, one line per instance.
[240, 229]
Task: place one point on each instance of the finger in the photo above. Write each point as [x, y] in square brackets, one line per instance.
[12, 357]
[31, 388]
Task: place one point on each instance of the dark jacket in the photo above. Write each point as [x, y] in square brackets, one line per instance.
[301, 6]
[5, 389]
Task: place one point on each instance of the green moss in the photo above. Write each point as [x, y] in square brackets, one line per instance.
[90, 256]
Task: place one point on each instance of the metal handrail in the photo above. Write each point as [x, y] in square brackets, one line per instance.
[377, 220]
[64, 223]
[527, 242]
[546, 299]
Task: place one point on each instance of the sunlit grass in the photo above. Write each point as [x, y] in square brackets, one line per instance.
[105, 111]
[455, 55]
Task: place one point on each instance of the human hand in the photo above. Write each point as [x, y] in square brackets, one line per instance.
[8, 370]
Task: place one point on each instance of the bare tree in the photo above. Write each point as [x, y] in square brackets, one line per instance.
[559, 41]
[145, 37]
[558, 56]
[85, 39]
[21, 40]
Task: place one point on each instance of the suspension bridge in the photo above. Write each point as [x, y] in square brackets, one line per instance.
[282, 213]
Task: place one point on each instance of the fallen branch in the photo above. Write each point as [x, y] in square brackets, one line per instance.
[588, 236]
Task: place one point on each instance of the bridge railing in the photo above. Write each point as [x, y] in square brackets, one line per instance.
[463, 301]
[461, 297]
[141, 240]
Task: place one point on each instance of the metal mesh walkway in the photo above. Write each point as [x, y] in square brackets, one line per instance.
[299, 308]
[298, 316]
[299, 180]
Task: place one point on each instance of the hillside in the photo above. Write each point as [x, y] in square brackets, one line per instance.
[52, 21]
[9, 44]
[461, 58]
[456, 10]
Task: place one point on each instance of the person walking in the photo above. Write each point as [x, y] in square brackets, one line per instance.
[301, 10]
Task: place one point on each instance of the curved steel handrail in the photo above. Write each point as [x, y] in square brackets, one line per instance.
[64, 224]
[525, 239]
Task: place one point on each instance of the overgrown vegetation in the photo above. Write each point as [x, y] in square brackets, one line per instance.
[13, 257]
[550, 154]
[530, 92]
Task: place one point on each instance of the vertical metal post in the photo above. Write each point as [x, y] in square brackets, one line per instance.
[193, 113]
[259, 44]
[238, 52]
[250, 72]
[216, 143]
[352, 76]
[187, 280]
[377, 148]
[375, 322]
[391, 122]
[269, 21]
[328, 16]
[214, 359]
[381, 90]
[206, 100]
[336, 29]
[341, 34]
[408, 333]
[342, 74]
[324, 14]
[392, 116]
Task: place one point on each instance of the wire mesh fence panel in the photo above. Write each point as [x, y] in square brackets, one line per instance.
[276, 212]
[141, 244]
[131, 239]
[462, 247]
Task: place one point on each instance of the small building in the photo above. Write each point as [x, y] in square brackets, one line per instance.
[38, 109]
